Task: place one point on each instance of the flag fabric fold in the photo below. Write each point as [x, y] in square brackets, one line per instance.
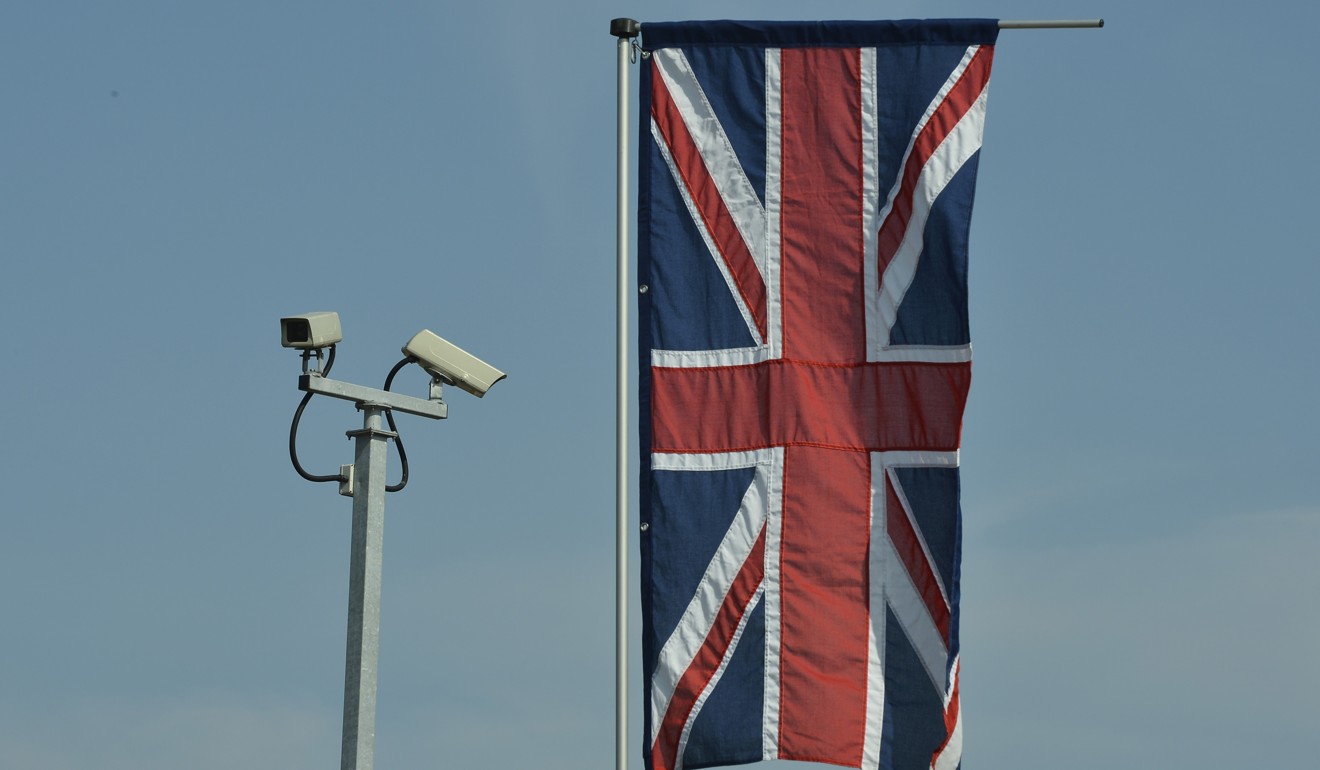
[805, 194]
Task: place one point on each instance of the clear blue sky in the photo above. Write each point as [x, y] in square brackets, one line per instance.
[1142, 512]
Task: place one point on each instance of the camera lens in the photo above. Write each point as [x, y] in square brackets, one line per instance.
[298, 330]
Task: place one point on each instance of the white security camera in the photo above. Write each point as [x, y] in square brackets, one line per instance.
[310, 331]
[450, 363]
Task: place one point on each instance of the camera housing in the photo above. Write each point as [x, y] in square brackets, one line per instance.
[452, 364]
[310, 331]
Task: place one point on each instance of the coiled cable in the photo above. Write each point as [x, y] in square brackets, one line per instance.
[398, 440]
[293, 429]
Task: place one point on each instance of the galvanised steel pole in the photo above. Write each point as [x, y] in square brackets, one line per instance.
[359, 737]
[626, 30]
[364, 481]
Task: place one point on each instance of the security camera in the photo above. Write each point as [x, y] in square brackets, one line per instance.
[450, 363]
[310, 331]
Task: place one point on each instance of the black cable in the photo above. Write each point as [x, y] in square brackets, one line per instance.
[329, 361]
[293, 429]
[398, 440]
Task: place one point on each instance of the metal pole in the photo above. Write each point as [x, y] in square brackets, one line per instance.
[625, 30]
[1061, 24]
[359, 740]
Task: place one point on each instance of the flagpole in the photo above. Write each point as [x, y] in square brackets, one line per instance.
[625, 30]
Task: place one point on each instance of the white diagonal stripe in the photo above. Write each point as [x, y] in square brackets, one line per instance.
[959, 146]
[716, 151]
[681, 648]
[950, 756]
[715, 678]
[916, 529]
[891, 586]
[707, 237]
[949, 83]
[882, 301]
[910, 609]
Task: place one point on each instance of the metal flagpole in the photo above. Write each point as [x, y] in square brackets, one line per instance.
[625, 30]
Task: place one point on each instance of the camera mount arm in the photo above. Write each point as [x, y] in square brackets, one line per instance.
[434, 407]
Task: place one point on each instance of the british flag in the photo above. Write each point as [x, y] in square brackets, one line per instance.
[805, 198]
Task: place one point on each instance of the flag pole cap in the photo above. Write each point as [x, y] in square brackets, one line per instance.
[625, 27]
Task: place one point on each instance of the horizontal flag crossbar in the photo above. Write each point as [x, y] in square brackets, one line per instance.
[629, 28]
[1056, 24]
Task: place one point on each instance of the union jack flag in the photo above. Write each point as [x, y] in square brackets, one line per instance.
[805, 198]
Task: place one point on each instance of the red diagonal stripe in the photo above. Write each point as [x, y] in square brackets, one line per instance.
[664, 753]
[950, 715]
[714, 214]
[908, 546]
[956, 103]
